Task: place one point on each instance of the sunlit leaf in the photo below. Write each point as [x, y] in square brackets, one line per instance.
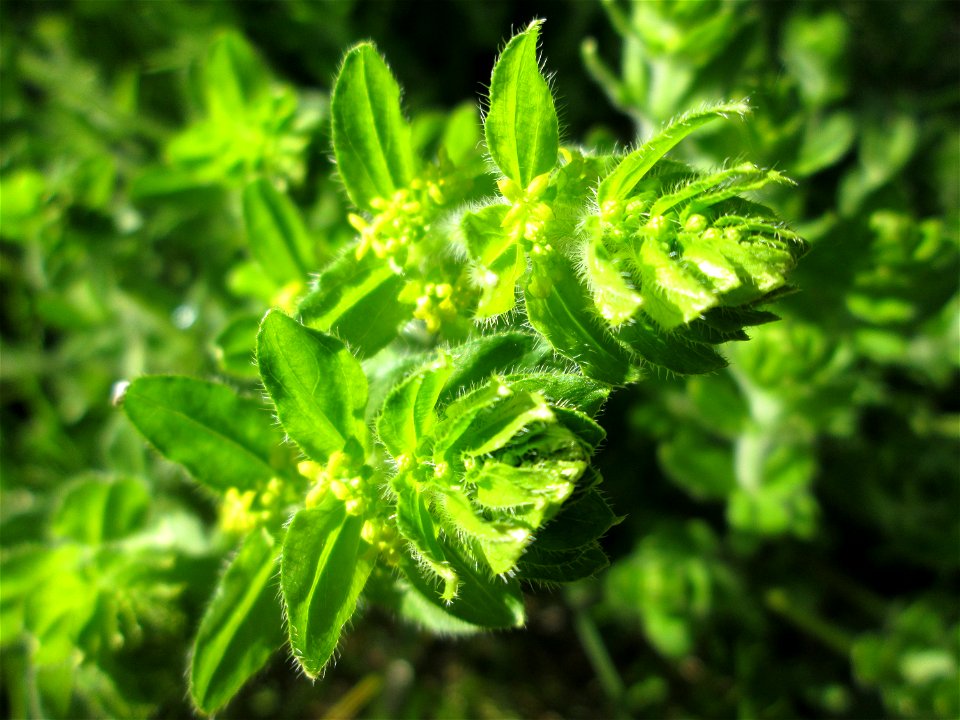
[224, 440]
[371, 138]
[318, 387]
[241, 628]
[324, 566]
[521, 125]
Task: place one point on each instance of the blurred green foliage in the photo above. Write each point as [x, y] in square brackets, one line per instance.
[792, 540]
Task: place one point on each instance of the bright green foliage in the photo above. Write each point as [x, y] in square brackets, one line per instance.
[476, 472]
[95, 511]
[371, 138]
[521, 126]
[324, 568]
[619, 184]
[241, 628]
[277, 236]
[417, 428]
[319, 389]
[251, 126]
[209, 429]
[813, 430]
[106, 584]
[443, 356]
[669, 582]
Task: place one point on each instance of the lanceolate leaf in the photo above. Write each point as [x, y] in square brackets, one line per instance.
[275, 231]
[241, 628]
[562, 566]
[565, 389]
[619, 183]
[676, 295]
[417, 527]
[409, 411]
[224, 440]
[585, 428]
[670, 350]
[500, 261]
[234, 77]
[318, 387]
[98, 510]
[475, 361]
[615, 297]
[324, 566]
[481, 600]
[484, 234]
[485, 421]
[371, 138]
[521, 126]
[359, 300]
[498, 283]
[583, 518]
[561, 312]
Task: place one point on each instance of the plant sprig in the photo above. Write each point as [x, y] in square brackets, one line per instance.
[508, 301]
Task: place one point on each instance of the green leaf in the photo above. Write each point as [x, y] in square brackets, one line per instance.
[241, 628]
[359, 300]
[704, 190]
[670, 350]
[475, 361]
[481, 600]
[562, 566]
[498, 283]
[585, 428]
[673, 295]
[95, 510]
[416, 607]
[408, 413]
[323, 569]
[234, 77]
[521, 126]
[275, 231]
[620, 182]
[26, 569]
[585, 517]
[501, 485]
[462, 133]
[616, 298]
[560, 310]
[725, 319]
[825, 141]
[224, 440]
[236, 346]
[500, 261]
[371, 138]
[416, 525]
[486, 420]
[318, 387]
[566, 389]
[698, 465]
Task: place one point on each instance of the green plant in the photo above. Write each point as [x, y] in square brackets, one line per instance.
[440, 378]
[813, 433]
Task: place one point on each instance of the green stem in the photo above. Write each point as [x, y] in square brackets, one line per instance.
[600, 659]
[832, 636]
[864, 598]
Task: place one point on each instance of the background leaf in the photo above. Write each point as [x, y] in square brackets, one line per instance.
[275, 231]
